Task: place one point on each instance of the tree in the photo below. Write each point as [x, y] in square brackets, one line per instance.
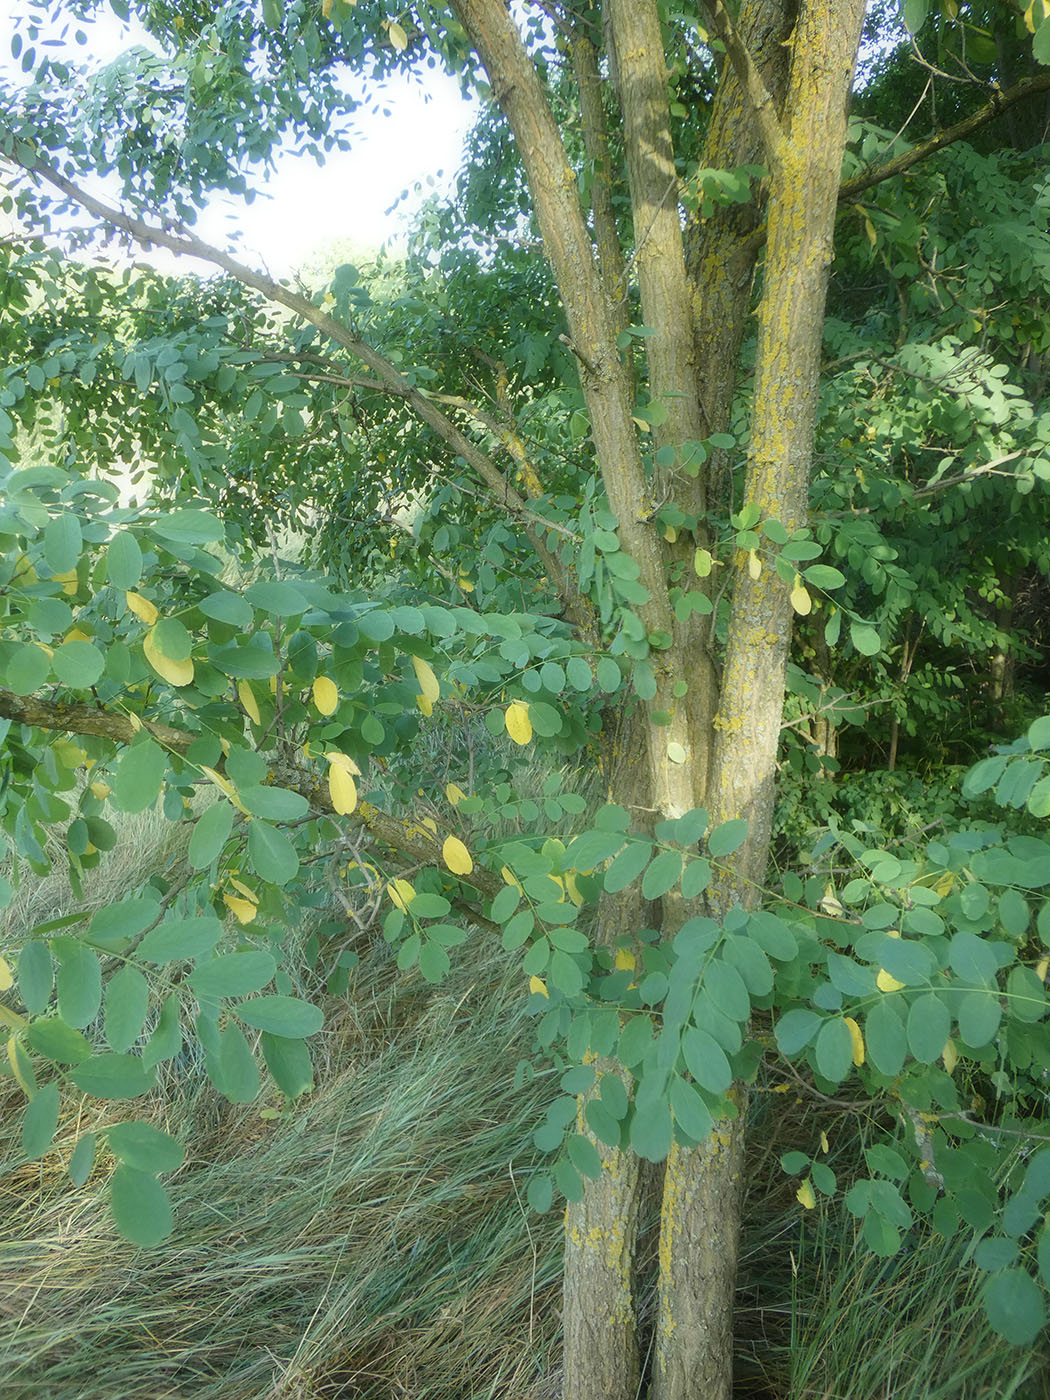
[641, 564]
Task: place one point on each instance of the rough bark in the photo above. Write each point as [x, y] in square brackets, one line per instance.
[659, 262]
[701, 1197]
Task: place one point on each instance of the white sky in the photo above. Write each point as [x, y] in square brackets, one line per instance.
[414, 138]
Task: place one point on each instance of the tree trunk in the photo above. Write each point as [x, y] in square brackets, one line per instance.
[702, 1192]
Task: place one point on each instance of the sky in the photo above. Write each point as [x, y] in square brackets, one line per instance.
[413, 138]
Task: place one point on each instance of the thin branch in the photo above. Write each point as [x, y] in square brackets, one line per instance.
[186, 244]
[409, 838]
[751, 80]
[1000, 102]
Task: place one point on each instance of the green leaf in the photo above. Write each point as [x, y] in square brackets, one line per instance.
[865, 638]
[276, 597]
[662, 875]
[824, 576]
[273, 804]
[233, 1069]
[691, 1114]
[1015, 1307]
[79, 981]
[140, 1207]
[228, 607]
[179, 940]
[434, 962]
[1041, 46]
[635, 1039]
[78, 664]
[706, 1060]
[795, 1029]
[112, 927]
[540, 1193]
[40, 1121]
[28, 668]
[627, 866]
[834, 1050]
[113, 1077]
[929, 1026]
[727, 838]
[210, 834]
[63, 541]
[650, 1131]
[138, 776]
[972, 958]
[127, 1000]
[726, 988]
[885, 1038]
[233, 974]
[145, 1147]
[608, 675]
[1039, 798]
[124, 561]
[696, 877]
[979, 1015]
[56, 1041]
[584, 1156]
[282, 1015]
[83, 1158]
[183, 527]
[913, 13]
[272, 853]
[35, 976]
[288, 1061]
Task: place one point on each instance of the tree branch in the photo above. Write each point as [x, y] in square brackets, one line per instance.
[1000, 103]
[410, 839]
[186, 244]
[750, 79]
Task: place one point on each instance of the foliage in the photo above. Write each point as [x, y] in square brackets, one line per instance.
[298, 699]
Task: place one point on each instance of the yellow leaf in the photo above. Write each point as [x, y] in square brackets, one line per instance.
[571, 888]
[944, 884]
[239, 885]
[754, 565]
[224, 785]
[642, 425]
[800, 599]
[142, 608]
[273, 685]
[869, 227]
[670, 534]
[243, 910]
[625, 960]
[676, 752]
[857, 1037]
[68, 754]
[75, 635]
[11, 1018]
[456, 856]
[101, 790]
[68, 580]
[454, 793]
[7, 980]
[429, 824]
[426, 706]
[16, 1058]
[326, 8]
[703, 562]
[342, 789]
[342, 760]
[886, 983]
[509, 878]
[428, 682]
[519, 726]
[401, 894]
[397, 35]
[1041, 968]
[537, 984]
[247, 698]
[465, 583]
[326, 696]
[950, 1056]
[825, 1146]
[804, 1195]
[176, 673]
